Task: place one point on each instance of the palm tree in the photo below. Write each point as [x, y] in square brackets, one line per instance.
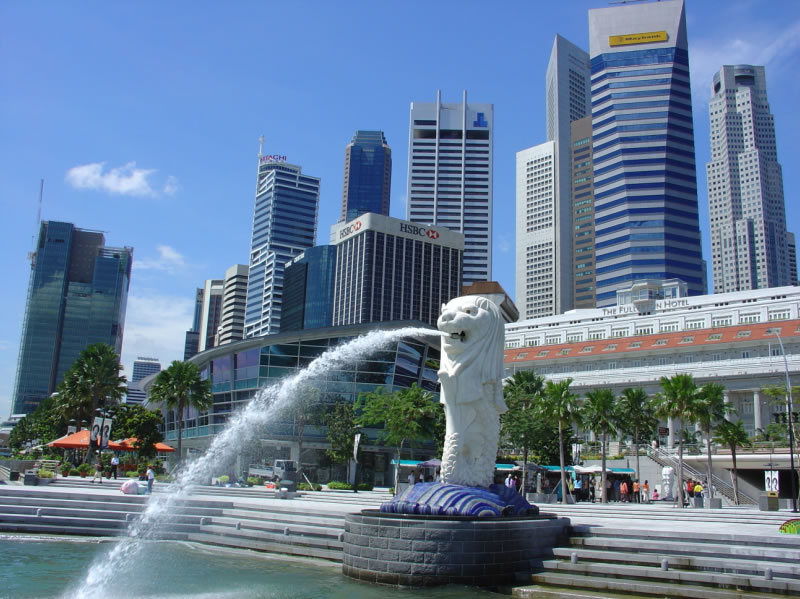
[709, 409]
[679, 392]
[637, 416]
[179, 387]
[522, 392]
[599, 414]
[72, 401]
[560, 405]
[733, 435]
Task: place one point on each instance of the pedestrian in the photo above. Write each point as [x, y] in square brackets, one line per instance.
[98, 470]
[421, 476]
[616, 490]
[151, 477]
[637, 490]
[591, 492]
[655, 494]
[411, 478]
[509, 482]
[690, 488]
[578, 488]
[646, 492]
[623, 489]
[438, 475]
[114, 464]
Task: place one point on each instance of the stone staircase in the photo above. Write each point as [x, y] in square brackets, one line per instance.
[609, 562]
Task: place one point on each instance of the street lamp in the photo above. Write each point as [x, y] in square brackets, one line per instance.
[789, 420]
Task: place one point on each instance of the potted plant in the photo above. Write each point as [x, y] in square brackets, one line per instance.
[44, 477]
[84, 469]
[65, 469]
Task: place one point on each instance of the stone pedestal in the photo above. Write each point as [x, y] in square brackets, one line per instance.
[411, 550]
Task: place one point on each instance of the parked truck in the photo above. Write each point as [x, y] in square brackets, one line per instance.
[280, 470]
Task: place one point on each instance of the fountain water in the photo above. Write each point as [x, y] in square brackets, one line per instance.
[240, 430]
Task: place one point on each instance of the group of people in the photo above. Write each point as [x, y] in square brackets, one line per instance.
[513, 482]
[624, 489]
[149, 476]
[418, 476]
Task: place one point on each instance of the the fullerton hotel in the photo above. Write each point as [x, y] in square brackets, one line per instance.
[655, 330]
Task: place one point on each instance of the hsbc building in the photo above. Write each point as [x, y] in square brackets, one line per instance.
[391, 269]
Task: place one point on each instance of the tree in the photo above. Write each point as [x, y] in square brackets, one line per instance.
[679, 392]
[518, 424]
[302, 410]
[96, 375]
[72, 400]
[732, 435]
[137, 421]
[636, 417]
[560, 406]
[599, 415]
[406, 415]
[179, 387]
[709, 409]
[342, 429]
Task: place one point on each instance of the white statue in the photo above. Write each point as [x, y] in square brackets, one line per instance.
[667, 480]
[471, 374]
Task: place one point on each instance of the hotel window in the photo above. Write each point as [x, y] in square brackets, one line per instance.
[542, 354]
[594, 335]
[647, 330]
[662, 361]
[747, 407]
[522, 355]
[724, 321]
[741, 334]
[688, 359]
[660, 342]
[687, 339]
[532, 341]
[610, 347]
[619, 332]
[552, 340]
[637, 364]
[745, 355]
[694, 324]
[612, 365]
[782, 315]
[714, 337]
[587, 348]
[574, 338]
[748, 318]
[564, 351]
[668, 327]
[716, 357]
[635, 344]
[776, 351]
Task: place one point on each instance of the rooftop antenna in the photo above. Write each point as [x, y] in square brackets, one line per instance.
[260, 143]
[32, 253]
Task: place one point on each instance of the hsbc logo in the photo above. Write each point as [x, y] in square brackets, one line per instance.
[350, 229]
[417, 230]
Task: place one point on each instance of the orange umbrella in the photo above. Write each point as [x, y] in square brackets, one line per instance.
[127, 445]
[80, 440]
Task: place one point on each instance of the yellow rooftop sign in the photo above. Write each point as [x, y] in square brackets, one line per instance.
[637, 38]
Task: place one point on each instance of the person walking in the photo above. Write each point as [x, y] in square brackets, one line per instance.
[646, 492]
[151, 477]
[114, 464]
[98, 470]
[623, 489]
[637, 490]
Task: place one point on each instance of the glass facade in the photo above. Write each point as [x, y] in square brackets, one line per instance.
[239, 370]
[367, 175]
[76, 297]
[308, 290]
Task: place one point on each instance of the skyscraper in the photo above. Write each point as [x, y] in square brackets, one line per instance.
[77, 296]
[391, 269]
[234, 299]
[210, 313]
[645, 187]
[568, 99]
[142, 367]
[284, 224]
[583, 274]
[749, 243]
[308, 289]
[537, 235]
[367, 175]
[450, 175]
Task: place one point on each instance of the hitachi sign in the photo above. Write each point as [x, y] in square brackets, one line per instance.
[273, 158]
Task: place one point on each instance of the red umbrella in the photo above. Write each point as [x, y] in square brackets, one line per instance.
[80, 440]
[128, 445]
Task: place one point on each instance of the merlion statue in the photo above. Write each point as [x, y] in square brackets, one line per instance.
[471, 374]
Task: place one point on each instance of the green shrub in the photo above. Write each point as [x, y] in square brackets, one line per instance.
[224, 479]
[340, 486]
[45, 473]
[307, 487]
[365, 486]
[134, 474]
[256, 481]
[163, 478]
[74, 472]
[85, 469]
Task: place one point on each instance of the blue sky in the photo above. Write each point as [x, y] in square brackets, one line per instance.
[143, 118]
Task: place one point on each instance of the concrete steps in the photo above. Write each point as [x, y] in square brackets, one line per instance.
[627, 561]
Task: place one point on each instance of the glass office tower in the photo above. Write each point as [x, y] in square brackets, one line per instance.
[284, 224]
[308, 290]
[77, 296]
[367, 175]
[646, 214]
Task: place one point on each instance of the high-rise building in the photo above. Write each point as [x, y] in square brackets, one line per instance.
[142, 367]
[568, 99]
[367, 175]
[749, 245]
[77, 296]
[450, 175]
[210, 313]
[192, 339]
[537, 265]
[792, 258]
[308, 290]
[583, 277]
[234, 299]
[284, 224]
[391, 269]
[645, 185]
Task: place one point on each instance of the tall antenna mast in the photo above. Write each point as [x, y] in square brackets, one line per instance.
[260, 143]
[32, 253]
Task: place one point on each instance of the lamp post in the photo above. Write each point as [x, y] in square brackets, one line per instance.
[789, 420]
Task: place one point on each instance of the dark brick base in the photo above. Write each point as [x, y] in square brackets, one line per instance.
[408, 550]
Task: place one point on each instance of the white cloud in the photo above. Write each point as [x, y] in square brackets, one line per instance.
[169, 260]
[123, 180]
[503, 244]
[155, 326]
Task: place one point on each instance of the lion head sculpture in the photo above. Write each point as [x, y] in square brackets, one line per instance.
[475, 340]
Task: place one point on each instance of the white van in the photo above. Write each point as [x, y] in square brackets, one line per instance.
[282, 468]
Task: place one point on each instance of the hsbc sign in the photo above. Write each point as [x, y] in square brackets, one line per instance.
[349, 229]
[417, 230]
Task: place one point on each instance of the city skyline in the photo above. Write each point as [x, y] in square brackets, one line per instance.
[157, 146]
